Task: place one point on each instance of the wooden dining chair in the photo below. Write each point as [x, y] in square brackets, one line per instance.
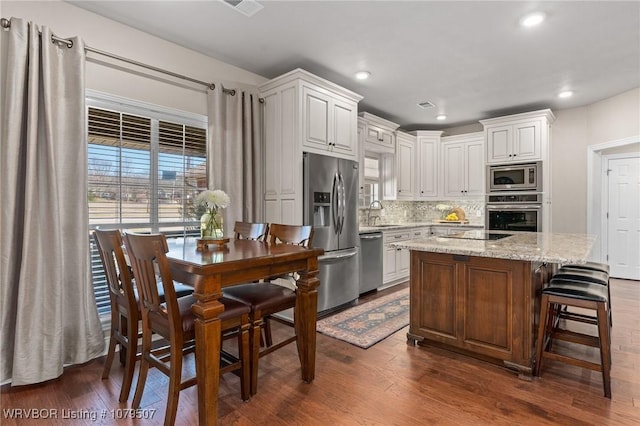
[125, 311]
[174, 321]
[251, 231]
[125, 306]
[268, 298]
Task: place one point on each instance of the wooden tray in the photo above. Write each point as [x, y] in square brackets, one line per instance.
[203, 243]
[453, 221]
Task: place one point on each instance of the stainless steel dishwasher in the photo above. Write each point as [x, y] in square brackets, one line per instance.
[370, 261]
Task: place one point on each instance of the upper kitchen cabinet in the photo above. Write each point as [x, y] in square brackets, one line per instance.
[378, 155]
[428, 147]
[330, 123]
[406, 171]
[302, 112]
[463, 162]
[518, 138]
[379, 134]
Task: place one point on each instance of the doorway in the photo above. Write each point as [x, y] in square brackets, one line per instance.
[622, 195]
[597, 190]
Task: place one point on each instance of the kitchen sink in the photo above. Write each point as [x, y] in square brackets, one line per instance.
[384, 226]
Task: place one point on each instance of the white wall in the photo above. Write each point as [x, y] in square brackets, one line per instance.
[574, 130]
[66, 20]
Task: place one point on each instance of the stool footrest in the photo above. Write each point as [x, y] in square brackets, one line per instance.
[573, 361]
[573, 337]
[573, 316]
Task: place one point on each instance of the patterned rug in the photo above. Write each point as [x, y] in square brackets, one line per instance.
[367, 324]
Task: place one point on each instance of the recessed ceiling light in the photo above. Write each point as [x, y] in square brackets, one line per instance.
[532, 19]
[565, 94]
[441, 117]
[363, 75]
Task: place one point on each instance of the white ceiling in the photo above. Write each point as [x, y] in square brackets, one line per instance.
[471, 59]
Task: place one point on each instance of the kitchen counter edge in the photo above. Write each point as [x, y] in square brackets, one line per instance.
[369, 229]
[528, 246]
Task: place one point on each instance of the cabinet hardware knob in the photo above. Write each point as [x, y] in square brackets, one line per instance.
[380, 140]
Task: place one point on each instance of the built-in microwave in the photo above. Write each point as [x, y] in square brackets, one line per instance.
[515, 177]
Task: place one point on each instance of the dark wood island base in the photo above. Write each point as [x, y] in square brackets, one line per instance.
[484, 307]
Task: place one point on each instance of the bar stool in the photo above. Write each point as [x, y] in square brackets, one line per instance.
[596, 273]
[582, 295]
[591, 266]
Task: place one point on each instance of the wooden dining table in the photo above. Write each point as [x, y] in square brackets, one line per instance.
[211, 269]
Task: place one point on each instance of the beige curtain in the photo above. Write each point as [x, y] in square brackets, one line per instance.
[234, 153]
[47, 306]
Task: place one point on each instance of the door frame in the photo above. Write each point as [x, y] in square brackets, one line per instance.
[596, 195]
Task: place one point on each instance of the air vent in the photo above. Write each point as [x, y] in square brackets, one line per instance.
[246, 7]
[426, 105]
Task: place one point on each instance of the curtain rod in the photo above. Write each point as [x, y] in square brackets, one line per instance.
[6, 24]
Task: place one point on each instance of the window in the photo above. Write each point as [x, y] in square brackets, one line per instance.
[146, 164]
[371, 178]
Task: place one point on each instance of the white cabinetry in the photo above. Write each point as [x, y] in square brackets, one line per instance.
[378, 138]
[522, 138]
[463, 164]
[302, 112]
[396, 261]
[428, 142]
[379, 133]
[406, 172]
[330, 123]
[518, 138]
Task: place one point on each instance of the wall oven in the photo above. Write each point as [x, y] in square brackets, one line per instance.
[514, 212]
[515, 177]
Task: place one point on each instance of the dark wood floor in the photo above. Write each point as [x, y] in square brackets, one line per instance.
[389, 383]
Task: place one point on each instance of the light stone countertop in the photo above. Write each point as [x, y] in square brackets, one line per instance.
[392, 227]
[527, 246]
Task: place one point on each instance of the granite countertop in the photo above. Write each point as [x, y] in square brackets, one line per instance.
[396, 226]
[527, 246]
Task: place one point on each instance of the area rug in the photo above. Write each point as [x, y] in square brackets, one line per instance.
[367, 324]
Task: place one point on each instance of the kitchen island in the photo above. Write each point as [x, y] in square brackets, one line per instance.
[478, 292]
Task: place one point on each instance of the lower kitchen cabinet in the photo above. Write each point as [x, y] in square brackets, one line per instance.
[396, 261]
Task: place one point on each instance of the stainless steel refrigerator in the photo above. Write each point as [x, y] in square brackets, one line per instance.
[331, 206]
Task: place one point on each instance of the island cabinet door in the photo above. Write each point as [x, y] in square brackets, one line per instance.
[493, 299]
[434, 313]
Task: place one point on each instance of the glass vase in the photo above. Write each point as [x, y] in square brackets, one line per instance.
[211, 226]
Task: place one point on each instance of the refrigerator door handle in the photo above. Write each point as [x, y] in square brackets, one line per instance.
[335, 203]
[343, 201]
[344, 254]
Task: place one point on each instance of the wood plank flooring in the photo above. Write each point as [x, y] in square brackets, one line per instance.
[389, 383]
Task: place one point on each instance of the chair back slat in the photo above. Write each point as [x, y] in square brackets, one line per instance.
[116, 269]
[251, 231]
[148, 254]
[291, 234]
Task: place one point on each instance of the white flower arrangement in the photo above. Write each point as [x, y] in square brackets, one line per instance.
[214, 199]
[211, 222]
[443, 207]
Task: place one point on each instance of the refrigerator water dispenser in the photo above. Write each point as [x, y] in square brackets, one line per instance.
[321, 208]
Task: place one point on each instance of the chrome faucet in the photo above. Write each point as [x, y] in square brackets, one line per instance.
[369, 212]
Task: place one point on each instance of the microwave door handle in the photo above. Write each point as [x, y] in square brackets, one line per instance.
[514, 207]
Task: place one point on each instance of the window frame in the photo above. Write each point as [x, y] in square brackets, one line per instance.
[155, 113]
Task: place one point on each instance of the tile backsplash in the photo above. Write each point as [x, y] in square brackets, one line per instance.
[397, 212]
